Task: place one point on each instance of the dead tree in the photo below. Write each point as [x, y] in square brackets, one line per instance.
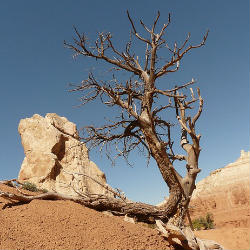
[140, 123]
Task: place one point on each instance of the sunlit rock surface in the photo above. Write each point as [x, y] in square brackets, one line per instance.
[54, 157]
[225, 193]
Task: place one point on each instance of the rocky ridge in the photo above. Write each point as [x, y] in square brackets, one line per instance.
[225, 194]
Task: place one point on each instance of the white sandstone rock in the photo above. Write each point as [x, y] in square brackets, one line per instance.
[53, 153]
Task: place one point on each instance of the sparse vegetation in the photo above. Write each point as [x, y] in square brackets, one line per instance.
[26, 185]
[33, 188]
[204, 222]
[44, 190]
[30, 186]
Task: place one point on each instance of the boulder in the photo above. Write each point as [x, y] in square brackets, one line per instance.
[55, 158]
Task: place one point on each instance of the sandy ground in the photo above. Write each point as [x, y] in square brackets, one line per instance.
[232, 228]
[229, 238]
[67, 225]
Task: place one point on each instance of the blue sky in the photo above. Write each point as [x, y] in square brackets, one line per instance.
[35, 70]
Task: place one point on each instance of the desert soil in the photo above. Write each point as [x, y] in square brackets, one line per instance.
[232, 227]
[67, 225]
[230, 238]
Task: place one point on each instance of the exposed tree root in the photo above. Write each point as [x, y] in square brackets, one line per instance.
[118, 206]
[182, 238]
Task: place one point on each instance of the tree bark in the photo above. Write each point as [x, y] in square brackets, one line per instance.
[158, 152]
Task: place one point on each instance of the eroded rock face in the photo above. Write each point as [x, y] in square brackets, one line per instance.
[225, 193]
[53, 152]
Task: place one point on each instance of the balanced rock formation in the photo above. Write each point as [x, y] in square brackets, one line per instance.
[55, 159]
[225, 194]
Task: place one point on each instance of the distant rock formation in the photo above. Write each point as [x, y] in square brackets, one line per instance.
[53, 152]
[225, 193]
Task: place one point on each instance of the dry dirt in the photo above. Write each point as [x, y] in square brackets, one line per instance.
[232, 227]
[231, 238]
[67, 225]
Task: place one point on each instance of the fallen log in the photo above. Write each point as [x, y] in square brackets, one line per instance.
[143, 212]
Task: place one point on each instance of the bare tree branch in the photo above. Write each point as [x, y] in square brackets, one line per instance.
[135, 32]
[140, 123]
[178, 54]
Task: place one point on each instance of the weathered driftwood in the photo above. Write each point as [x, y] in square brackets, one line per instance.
[184, 238]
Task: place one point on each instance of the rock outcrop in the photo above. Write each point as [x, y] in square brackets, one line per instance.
[225, 194]
[53, 153]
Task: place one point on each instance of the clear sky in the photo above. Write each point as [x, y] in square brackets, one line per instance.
[35, 70]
